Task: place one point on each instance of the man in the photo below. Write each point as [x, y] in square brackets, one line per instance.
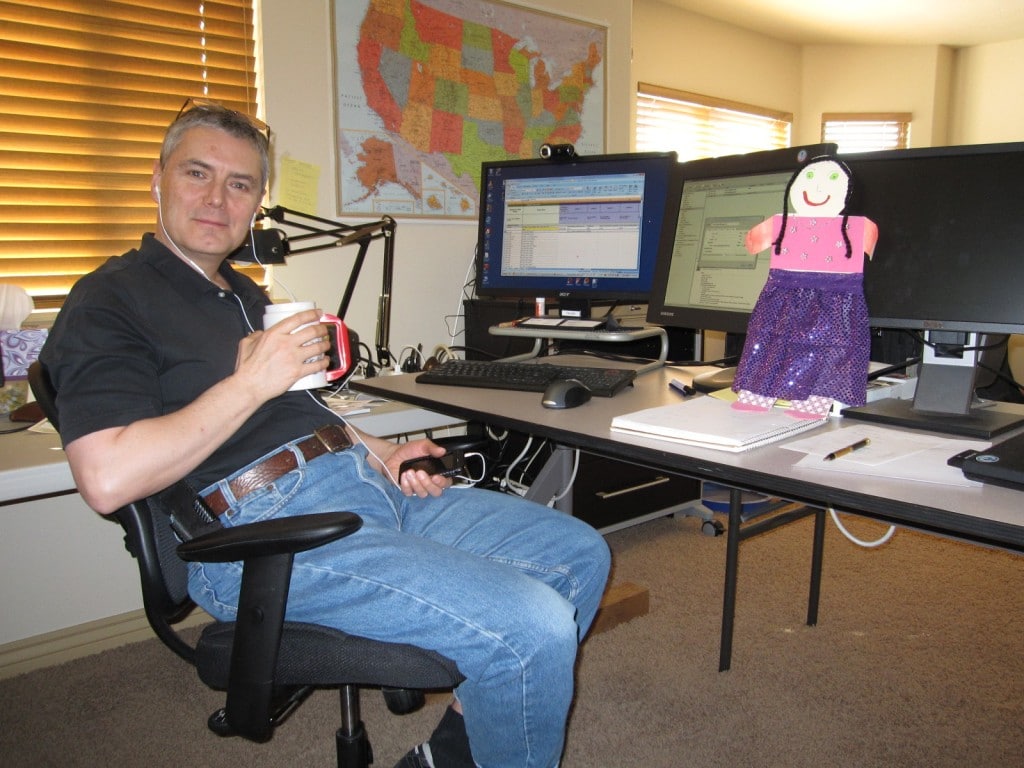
[163, 372]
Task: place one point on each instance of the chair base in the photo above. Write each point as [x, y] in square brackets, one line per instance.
[354, 751]
[353, 743]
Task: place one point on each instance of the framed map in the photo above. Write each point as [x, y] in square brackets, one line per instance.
[427, 90]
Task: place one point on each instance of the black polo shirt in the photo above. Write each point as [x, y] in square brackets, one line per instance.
[144, 335]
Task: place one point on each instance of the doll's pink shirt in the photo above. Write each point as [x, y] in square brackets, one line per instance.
[815, 244]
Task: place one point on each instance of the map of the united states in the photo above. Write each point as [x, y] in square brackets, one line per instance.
[447, 91]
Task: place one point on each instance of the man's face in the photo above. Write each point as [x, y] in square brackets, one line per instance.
[207, 193]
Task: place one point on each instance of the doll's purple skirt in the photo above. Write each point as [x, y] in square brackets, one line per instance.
[808, 335]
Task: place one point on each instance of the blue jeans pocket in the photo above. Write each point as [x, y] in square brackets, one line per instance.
[267, 502]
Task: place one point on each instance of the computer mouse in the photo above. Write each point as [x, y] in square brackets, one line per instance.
[565, 393]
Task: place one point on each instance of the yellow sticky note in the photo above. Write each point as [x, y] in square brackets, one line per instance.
[297, 185]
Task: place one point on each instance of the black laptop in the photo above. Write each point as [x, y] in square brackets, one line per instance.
[1002, 464]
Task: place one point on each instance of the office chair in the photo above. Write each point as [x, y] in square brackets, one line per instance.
[266, 665]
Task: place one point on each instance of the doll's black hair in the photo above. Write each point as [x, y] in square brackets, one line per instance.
[789, 186]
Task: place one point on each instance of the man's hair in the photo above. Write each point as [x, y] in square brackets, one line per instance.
[228, 120]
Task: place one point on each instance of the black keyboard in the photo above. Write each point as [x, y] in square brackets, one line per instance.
[526, 377]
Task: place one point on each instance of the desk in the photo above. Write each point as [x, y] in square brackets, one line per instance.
[986, 515]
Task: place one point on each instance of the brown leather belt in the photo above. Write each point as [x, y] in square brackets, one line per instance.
[330, 439]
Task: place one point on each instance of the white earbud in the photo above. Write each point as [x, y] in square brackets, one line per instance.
[157, 191]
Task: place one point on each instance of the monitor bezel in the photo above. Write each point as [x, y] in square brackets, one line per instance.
[529, 288]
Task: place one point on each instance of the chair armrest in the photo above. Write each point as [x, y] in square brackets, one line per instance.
[286, 535]
[268, 549]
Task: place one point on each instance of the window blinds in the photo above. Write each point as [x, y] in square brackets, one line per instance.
[87, 88]
[860, 132]
[698, 126]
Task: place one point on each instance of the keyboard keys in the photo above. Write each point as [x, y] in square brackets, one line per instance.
[525, 377]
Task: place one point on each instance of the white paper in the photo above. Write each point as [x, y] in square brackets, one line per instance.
[893, 453]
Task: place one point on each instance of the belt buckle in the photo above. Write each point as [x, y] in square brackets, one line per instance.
[333, 437]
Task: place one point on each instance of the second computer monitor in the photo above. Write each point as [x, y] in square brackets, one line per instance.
[705, 278]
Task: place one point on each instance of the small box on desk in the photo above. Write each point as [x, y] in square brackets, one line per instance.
[18, 350]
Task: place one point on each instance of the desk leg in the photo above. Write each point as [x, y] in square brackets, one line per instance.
[817, 556]
[732, 554]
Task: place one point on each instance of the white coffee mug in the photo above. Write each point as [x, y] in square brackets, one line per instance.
[275, 313]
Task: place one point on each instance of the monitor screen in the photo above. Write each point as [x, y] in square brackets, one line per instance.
[949, 262]
[950, 253]
[580, 230]
[705, 279]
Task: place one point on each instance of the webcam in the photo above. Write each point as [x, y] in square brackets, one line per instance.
[557, 151]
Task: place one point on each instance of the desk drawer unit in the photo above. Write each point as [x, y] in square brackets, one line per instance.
[611, 494]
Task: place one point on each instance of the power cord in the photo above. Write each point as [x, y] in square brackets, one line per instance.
[415, 361]
[572, 479]
[468, 482]
[860, 542]
[507, 483]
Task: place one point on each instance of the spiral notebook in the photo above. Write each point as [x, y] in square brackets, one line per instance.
[712, 423]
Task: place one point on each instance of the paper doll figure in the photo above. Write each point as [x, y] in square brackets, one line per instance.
[808, 340]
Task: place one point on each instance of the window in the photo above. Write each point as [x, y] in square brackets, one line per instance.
[87, 88]
[698, 126]
[866, 132]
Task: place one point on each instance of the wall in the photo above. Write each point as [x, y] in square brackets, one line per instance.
[677, 49]
[860, 78]
[988, 94]
[432, 258]
[969, 96]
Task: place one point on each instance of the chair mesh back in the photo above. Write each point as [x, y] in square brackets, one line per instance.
[173, 568]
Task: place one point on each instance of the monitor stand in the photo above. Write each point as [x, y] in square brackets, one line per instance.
[984, 422]
[944, 398]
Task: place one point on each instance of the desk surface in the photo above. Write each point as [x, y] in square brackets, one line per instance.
[984, 514]
[33, 464]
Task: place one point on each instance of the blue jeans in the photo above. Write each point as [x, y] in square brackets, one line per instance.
[504, 587]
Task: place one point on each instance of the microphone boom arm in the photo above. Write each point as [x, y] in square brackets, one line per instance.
[333, 234]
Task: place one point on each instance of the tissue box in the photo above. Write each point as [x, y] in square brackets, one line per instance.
[20, 349]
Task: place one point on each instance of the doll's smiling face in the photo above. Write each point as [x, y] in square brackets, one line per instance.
[819, 190]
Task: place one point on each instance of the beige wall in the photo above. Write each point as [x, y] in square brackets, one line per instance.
[970, 96]
[681, 50]
[858, 78]
[988, 94]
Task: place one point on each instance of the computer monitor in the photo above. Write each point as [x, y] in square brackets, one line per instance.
[582, 230]
[950, 263]
[704, 278]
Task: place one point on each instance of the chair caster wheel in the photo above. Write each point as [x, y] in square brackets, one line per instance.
[712, 528]
[402, 701]
[218, 723]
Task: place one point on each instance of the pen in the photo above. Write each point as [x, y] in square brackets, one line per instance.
[848, 449]
[683, 389]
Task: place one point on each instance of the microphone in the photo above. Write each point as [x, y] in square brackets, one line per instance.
[271, 248]
[557, 151]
